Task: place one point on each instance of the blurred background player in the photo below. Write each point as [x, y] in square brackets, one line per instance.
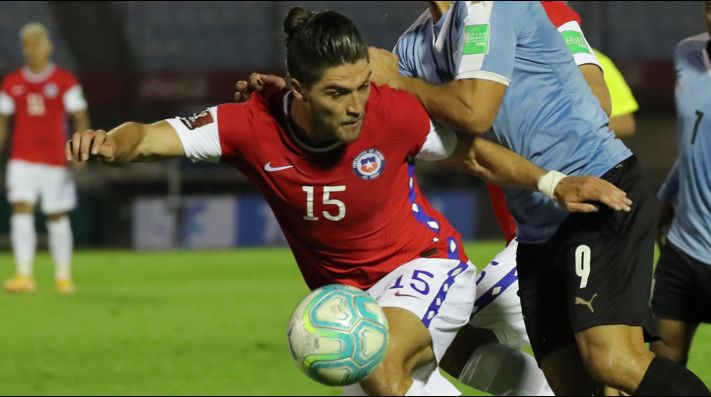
[622, 121]
[682, 293]
[39, 96]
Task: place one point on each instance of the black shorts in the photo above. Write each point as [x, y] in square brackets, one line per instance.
[596, 270]
[682, 290]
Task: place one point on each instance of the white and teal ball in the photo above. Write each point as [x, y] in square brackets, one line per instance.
[338, 335]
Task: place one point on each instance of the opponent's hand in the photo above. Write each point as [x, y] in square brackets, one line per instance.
[257, 82]
[90, 144]
[384, 66]
[575, 194]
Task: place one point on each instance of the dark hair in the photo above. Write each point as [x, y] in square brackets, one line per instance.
[318, 40]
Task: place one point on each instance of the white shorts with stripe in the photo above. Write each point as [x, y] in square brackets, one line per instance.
[498, 306]
[441, 292]
[30, 182]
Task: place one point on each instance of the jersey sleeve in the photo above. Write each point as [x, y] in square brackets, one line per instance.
[670, 189]
[488, 41]
[199, 135]
[73, 96]
[404, 60]
[568, 23]
[439, 144]
[7, 103]
[623, 101]
[73, 99]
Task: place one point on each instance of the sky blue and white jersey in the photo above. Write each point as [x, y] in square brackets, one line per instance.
[689, 183]
[548, 115]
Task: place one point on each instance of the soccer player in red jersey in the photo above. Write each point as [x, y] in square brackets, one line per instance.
[39, 96]
[334, 157]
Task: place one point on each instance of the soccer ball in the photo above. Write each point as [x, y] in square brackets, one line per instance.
[338, 335]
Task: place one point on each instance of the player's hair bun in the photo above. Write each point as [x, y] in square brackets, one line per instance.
[296, 19]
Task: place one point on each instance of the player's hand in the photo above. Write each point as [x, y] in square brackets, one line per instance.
[385, 67]
[257, 82]
[576, 193]
[90, 144]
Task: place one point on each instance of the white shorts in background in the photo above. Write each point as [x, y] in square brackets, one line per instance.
[498, 306]
[441, 292]
[29, 182]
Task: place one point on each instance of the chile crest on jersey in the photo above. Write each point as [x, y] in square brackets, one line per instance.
[369, 164]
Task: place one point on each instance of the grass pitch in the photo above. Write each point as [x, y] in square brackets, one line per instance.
[172, 323]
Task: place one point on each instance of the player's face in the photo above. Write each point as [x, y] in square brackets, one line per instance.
[338, 100]
[36, 48]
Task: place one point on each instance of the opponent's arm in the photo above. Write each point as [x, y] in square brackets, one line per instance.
[4, 121]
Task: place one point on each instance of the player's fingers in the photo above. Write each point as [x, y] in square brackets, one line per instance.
[98, 141]
[76, 142]
[582, 207]
[255, 82]
[85, 145]
[270, 80]
[608, 194]
[68, 150]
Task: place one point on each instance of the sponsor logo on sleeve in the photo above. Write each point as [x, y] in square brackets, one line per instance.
[197, 120]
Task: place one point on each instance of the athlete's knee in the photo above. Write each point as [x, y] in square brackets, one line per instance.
[502, 370]
[388, 380]
[57, 216]
[23, 208]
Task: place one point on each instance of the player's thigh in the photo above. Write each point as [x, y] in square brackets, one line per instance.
[23, 184]
[440, 292]
[58, 193]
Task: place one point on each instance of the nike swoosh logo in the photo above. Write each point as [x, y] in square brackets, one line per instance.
[407, 295]
[268, 167]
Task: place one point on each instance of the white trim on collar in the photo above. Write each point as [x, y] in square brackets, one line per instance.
[38, 77]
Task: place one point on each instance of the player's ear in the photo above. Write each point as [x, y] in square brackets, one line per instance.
[298, 90]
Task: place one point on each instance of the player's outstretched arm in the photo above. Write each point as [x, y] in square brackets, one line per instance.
[498, 165]
[126, 143]
[468, 105]
[596, 80]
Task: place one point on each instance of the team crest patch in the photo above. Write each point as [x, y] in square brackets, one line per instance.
[51, 90]
[369, 164]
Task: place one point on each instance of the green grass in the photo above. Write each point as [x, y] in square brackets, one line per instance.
[171, 323]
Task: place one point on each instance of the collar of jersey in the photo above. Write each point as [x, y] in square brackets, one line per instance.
[38, 77]
[288, 98]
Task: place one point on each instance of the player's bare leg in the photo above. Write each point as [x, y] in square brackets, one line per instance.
[566, 374]
[60, 245]
[676, 339]
[616, 356]
[24, 246]
[410, 348]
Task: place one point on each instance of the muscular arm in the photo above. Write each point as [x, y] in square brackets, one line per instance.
[498, 165]
[468, 105]
[623, 125]
[4, 121]
[127, 143]
[596, 80]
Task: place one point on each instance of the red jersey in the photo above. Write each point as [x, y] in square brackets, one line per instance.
[351, 213]
[40, 103]
[560, 13]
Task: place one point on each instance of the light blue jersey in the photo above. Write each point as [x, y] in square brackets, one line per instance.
[688, 186]
[548, 114]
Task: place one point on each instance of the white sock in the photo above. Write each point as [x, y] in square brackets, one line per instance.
[504, 371]
[61, 242]
[24, 242]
